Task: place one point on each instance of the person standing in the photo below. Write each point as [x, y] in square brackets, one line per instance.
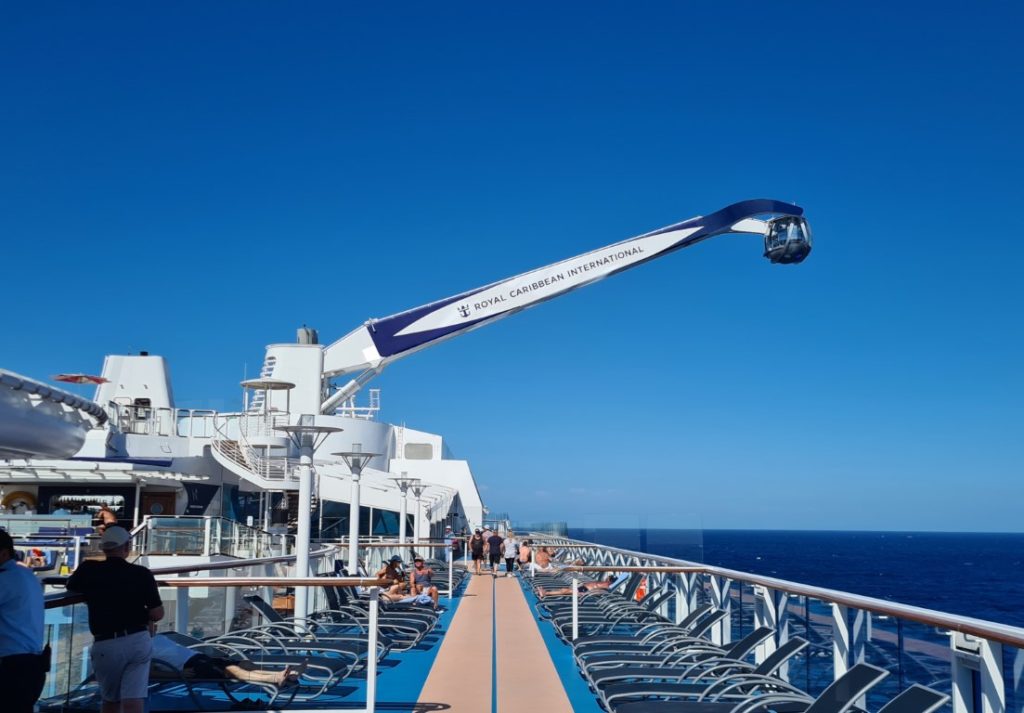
[494, 543]
[509, 547]
[23, 664]
[525, 555]
[124, 604]
[476, 547]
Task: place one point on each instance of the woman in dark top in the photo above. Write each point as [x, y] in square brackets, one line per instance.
[476, 548]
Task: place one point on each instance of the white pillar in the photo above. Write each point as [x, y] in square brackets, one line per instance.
[302, 535]
[138, 505]
[575, 608]
[417, 532]
[840, 641]
[371, 652]
[402, 517]
[353, 523]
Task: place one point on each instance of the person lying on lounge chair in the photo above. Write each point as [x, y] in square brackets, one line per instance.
[192, 664]
[582, 589]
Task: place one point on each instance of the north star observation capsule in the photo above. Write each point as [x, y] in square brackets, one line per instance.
[787, 240]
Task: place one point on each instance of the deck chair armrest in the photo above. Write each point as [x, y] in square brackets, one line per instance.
[748, 683]
[770, 699]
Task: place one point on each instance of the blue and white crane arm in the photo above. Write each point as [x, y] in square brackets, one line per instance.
[377, 343]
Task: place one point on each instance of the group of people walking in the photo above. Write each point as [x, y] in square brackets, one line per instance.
[485, 543]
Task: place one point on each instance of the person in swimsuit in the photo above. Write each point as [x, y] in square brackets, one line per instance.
[525, 555]
[392, 572]
[582, 589]
[420, 580]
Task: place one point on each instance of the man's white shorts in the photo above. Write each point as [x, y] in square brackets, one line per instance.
[122, 666]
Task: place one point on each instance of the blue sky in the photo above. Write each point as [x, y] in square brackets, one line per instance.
[200, 179]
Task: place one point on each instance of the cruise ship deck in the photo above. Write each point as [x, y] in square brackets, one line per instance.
[494, 657]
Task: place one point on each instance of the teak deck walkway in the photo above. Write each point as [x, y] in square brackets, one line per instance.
[493, 657]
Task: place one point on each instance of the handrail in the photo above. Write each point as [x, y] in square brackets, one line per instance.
[1002, 633]
[61, 600]
[273, 581]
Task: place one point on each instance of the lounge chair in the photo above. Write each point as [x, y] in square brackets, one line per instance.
[774, 696]
[702, 679]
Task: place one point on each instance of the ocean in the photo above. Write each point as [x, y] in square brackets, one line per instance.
[974, 574]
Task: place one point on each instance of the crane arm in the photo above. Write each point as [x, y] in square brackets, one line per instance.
[375, 344]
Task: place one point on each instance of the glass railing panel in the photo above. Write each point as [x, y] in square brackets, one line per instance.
[925, 655]
[876, 640]
[67, 632]
[1013, 678]
[170, 535]
[816, 628]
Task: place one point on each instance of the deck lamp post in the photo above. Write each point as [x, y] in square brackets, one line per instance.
[404, 482]
[306, 437]
[417, 490]
[356, 460]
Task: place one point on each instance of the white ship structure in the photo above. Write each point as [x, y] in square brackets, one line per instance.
[131, 446]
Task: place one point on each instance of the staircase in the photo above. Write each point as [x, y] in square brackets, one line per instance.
[235, 454]
[259, 397]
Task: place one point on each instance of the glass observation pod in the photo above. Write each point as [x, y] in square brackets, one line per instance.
[787, 240]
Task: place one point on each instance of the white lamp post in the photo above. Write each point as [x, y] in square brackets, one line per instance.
[306, 437]
[356, 460]
[404, 482]
[417, 491]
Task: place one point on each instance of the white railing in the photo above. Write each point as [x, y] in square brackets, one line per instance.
[979, 663]
[231, 433]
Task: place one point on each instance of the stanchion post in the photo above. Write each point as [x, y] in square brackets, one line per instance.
[450, 565]
[371, 652]
[575, 609]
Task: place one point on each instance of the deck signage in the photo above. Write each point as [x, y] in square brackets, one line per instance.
[525, 290]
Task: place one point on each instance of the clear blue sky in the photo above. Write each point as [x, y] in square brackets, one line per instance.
[199, 179]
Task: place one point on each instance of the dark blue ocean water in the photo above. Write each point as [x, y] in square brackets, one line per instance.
[974, 574]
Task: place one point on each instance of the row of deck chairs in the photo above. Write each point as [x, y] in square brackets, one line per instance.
[331, 646]
[636, 661]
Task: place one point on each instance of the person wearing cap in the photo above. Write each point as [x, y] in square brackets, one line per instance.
[392, 572]
[450, 542]
[124, 603]
[421, 580]
[23, 664]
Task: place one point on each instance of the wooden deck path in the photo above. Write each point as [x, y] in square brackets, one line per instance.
[494, 630]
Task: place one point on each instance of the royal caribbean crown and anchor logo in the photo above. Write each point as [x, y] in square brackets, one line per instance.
[464, 310]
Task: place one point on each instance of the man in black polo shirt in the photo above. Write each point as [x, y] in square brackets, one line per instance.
[123, 602]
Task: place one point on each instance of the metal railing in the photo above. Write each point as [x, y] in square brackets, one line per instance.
[231, 440]
[979, 663]
[201, 600]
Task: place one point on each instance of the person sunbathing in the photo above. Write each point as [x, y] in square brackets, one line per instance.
[192, 664]
[392, 572]
[582, 589]
[421, 580]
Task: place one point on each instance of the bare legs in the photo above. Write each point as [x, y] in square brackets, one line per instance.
[278, 678]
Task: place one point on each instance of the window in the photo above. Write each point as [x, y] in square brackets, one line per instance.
[419, 451]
